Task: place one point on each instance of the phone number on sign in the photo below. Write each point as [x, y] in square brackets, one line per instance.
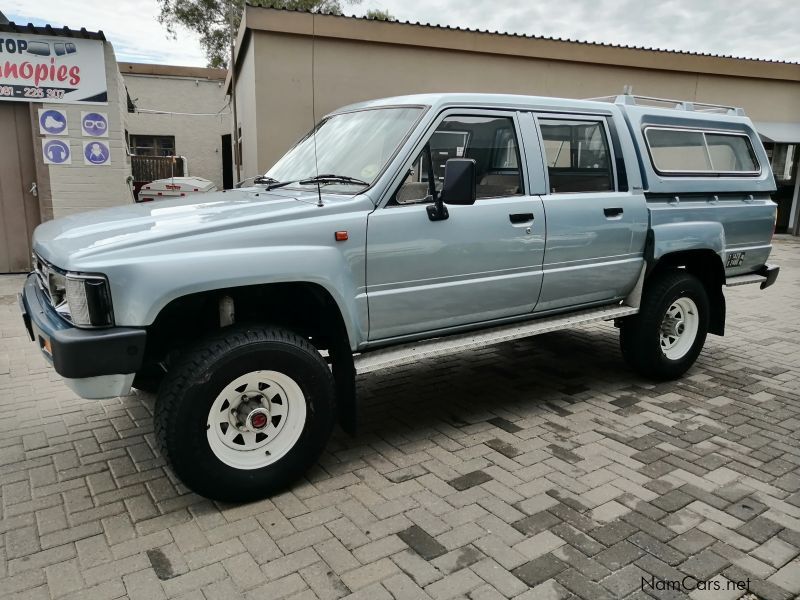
[21, 91]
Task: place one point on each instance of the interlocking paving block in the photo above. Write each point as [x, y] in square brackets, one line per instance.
[422, 542]
[540, 569]
[464, 482]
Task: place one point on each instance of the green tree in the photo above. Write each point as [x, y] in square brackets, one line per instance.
[211, 19]
[379, 14]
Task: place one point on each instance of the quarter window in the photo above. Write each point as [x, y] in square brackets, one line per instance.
[684, 151]
[577, 156]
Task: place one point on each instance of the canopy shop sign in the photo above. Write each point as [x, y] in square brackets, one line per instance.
[38, 68]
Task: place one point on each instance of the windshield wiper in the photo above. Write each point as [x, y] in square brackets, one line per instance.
[270, 182]
[332, 178]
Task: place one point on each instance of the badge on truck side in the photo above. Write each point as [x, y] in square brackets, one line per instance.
[735, 259]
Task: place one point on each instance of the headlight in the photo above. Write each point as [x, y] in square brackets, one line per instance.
[88, 301]
[84, 300]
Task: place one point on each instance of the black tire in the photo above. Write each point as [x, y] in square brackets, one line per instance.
[640, 335]
[191, 387]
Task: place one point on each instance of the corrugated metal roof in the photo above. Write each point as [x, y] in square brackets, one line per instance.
[65, 31]
[543, 37]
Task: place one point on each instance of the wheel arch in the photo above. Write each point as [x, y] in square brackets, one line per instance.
[306, 308]
[707, 266]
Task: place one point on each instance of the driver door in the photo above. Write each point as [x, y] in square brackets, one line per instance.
[482, 263]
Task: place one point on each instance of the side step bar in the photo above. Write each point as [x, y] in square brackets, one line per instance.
[403, 354]
[766, 276]
[744, 280]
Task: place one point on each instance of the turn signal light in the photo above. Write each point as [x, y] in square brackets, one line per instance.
[341, 236]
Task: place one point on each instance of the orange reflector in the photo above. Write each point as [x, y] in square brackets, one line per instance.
[341, 236]
[46, 346]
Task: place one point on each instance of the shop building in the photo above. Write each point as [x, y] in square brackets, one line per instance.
[62, 114]
[354, 59]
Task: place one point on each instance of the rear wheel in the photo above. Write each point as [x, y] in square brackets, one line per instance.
[665, 338]
[245, 413]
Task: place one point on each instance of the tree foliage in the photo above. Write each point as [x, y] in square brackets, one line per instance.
[379, 14]
[211, 19]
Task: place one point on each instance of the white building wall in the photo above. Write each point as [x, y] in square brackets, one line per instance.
[198, 138]
[79, 187]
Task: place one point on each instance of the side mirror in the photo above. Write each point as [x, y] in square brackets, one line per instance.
[459, 185]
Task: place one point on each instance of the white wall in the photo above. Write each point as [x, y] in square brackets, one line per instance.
[198, 138]
[78, 187]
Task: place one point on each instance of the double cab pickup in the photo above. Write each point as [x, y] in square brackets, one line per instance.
[400, 229]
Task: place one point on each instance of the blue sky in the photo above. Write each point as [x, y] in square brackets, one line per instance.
[768, 29]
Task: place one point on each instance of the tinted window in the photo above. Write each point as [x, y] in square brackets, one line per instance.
[577, 156]
[730, 153]
[699, 152]
[490, 141]
[674, 150]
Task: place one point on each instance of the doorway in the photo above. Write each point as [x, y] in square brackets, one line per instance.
[227, 162]
[19, 202]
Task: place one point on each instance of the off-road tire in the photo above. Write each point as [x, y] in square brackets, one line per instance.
[190, 388]
[640, 335]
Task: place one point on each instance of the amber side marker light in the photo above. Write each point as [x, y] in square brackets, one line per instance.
[341, 236]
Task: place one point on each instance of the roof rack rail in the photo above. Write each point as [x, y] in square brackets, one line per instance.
[636, 100]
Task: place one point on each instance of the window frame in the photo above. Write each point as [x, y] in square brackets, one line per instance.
[512, 113]
[591, 118]
[694, 173]
[154, 137]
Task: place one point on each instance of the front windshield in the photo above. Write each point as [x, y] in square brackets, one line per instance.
[356, 144]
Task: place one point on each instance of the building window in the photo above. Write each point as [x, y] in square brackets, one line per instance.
[694, 152]
[152, 145]
[577, 156]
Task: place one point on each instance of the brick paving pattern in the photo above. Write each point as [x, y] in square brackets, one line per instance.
[541, 468]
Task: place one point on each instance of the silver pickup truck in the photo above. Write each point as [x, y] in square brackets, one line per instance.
[400, 229]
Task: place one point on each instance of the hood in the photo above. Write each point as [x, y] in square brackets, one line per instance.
[67, 240]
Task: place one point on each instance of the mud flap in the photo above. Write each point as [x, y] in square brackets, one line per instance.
[344, 373]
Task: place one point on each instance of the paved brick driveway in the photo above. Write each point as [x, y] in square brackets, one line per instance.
[534, 469]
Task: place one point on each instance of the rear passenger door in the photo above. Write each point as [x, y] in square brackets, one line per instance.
[596, 226]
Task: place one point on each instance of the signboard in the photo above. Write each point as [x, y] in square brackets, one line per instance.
[53, 122]
[56, 152]
[40, 68]
[96, 152]
[94, 124]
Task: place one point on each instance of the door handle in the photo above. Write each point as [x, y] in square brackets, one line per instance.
[612, 212]
[520, 218]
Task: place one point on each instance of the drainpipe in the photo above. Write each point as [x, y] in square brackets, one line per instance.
[232, 66]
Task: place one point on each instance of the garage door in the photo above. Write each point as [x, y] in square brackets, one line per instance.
[19, 206]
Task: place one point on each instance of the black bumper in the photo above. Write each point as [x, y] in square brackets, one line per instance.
[770, 272]
[76, 353]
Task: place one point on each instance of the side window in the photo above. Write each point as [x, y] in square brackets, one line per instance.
[695, 152]
[490, 141]
[577, 156]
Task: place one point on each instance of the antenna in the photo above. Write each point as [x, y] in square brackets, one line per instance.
[314, 105]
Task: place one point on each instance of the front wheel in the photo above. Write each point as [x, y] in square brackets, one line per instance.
[664, 340]
[245, 413]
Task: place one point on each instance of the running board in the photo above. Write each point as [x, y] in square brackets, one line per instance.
[744, 280]
[403, 354]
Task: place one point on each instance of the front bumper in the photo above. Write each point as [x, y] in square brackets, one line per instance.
[770, 272]
[97, 363]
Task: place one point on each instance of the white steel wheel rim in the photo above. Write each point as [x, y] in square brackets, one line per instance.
[234, 427]
[679, 328]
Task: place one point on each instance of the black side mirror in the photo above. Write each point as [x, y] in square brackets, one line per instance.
[459, 185]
